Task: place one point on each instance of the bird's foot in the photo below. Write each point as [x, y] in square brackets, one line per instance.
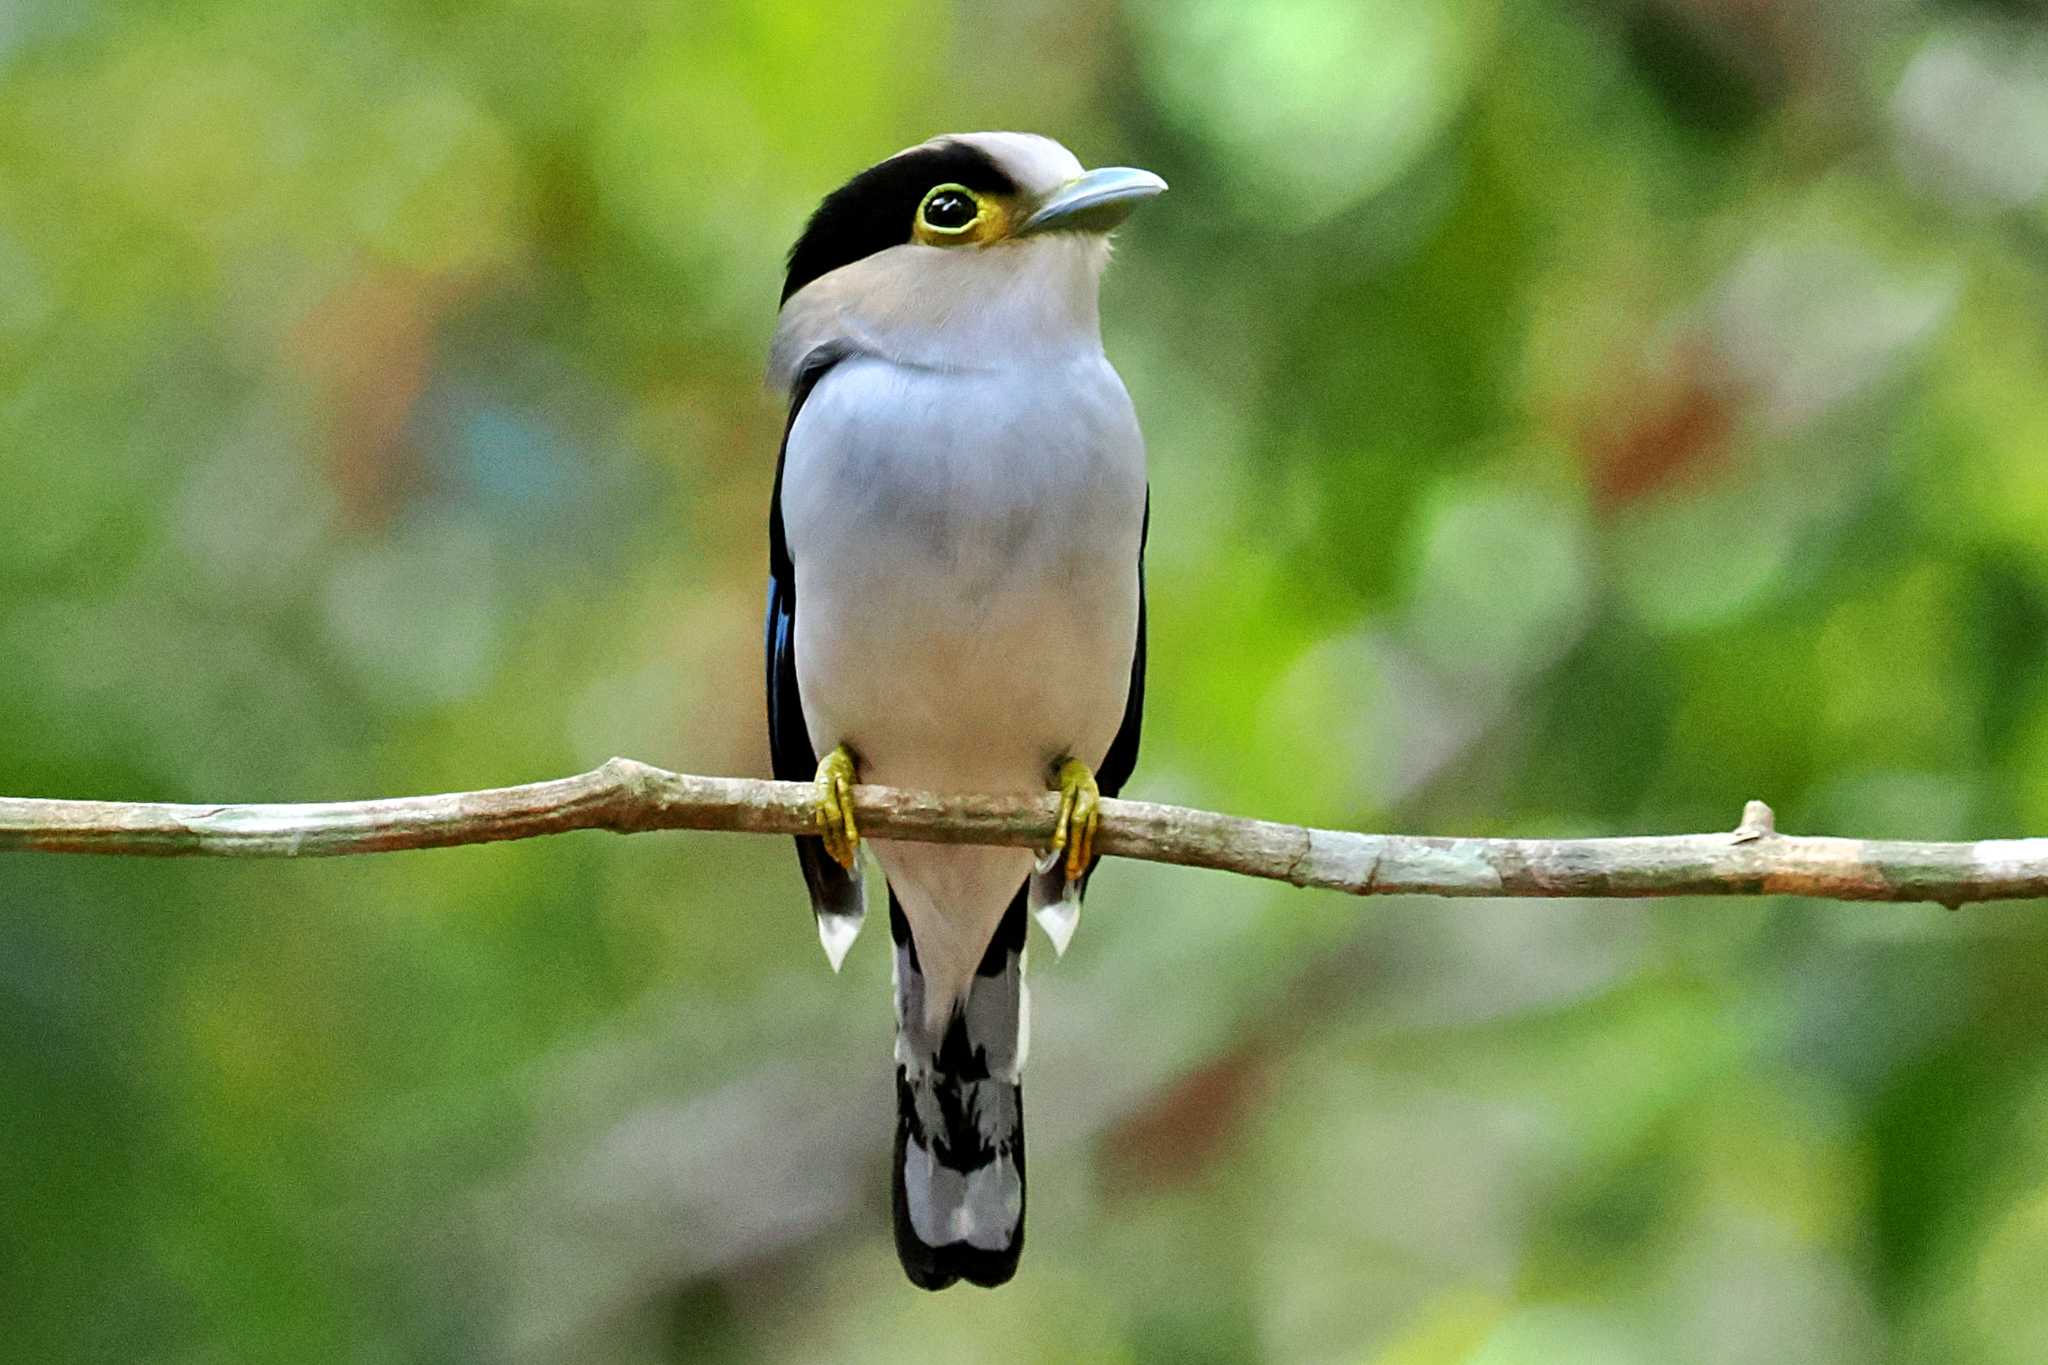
[834, 811]
[1080, 813]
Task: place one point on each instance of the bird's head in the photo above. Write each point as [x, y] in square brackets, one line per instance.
[955, 252]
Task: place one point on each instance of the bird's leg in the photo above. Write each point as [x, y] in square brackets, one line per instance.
[1080, 813]
[834, 811]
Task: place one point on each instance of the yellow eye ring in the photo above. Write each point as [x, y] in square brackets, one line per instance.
[940, 211]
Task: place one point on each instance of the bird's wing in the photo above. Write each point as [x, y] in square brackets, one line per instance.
[1056, 902]
[835, 893]
[1122, 758]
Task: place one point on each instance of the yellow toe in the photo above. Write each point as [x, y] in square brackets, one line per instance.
[834, 811]
[1080, 816]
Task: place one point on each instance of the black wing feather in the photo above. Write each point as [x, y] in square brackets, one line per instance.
[1122, 759]
[833, 889]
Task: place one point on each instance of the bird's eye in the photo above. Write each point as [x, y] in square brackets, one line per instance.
[949, 209]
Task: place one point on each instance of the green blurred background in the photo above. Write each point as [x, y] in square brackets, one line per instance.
[1566, 417]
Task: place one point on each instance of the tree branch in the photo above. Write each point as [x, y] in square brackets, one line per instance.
[629, 798]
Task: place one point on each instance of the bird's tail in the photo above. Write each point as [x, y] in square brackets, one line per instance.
[959, 1164]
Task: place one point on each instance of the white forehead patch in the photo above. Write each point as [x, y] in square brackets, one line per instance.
[1037, 164]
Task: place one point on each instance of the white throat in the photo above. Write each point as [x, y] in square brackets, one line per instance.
[951, 308]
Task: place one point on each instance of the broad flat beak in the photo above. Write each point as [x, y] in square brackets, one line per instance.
[1094, 202]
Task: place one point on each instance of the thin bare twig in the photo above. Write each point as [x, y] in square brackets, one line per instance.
[629, 798]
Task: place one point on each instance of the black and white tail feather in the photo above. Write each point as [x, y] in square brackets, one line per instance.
[957, 1173]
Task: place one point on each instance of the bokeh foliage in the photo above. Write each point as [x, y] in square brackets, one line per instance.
[1572, 416]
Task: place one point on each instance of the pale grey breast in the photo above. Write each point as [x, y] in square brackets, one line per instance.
[966, 547]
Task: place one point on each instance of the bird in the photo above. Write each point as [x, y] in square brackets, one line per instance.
[956, 603]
